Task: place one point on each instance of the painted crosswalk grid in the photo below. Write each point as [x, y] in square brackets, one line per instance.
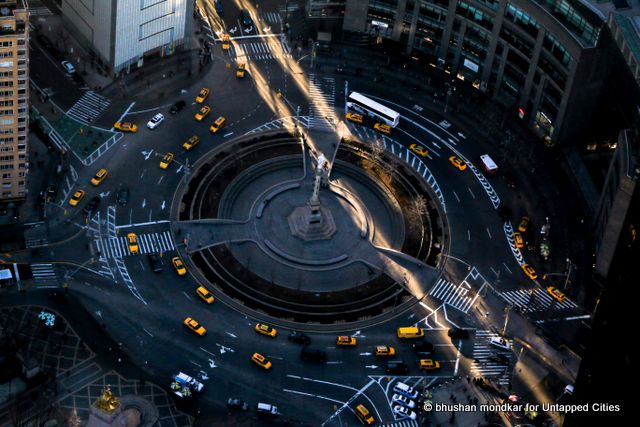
[485, 363]
[457, 296]
[260, 51]
[147, 243]
[89, 107]
[273, 18]
[321, 107]
[44, 275]
[403, 423]
[536, 299]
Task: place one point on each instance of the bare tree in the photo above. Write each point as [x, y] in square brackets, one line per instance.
[419, 206]
[376, 151]
[74, 420]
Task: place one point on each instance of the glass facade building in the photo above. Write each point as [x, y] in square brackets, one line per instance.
[537, 56]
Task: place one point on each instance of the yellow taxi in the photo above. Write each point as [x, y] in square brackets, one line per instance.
[226, 42]
[99, 177]
[76, 198]
[191, 142]
[202, 113]
[166, 160]
[419, 150]
[385, 351]
[126, 127]
[241, 70]
[382, 128]
[267, 330]
[202, 95]
[524, 224]
[365, 416]
[217, 125]
[428, 364]
[458, 163]
[518, 240]
[556, 294]
[261, 361]
[132, 241]
[196, 327]
[179, 266]
[354, 117]
[346, 341]
[529, 271]
[205, 295]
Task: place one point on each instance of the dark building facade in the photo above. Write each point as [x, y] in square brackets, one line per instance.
[540, 58]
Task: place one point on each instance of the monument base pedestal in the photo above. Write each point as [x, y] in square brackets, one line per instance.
[312, 223]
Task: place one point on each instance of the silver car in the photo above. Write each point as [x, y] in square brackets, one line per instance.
[403, 400]
[155, 121]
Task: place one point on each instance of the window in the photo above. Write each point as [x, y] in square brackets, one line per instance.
[6, 175]
[522, 20]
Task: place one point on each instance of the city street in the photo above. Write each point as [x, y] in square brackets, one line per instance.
[481, 285]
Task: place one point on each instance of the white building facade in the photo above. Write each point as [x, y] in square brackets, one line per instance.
[123, 32]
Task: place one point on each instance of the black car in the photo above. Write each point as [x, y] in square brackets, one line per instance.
[246, 18]
[397, 367]
[299, 338]
[237, 403]
[122, 196]
[458, 333]
[178, 106]
[423, 347]
[156, 263]
[92, 206]
[309, 354]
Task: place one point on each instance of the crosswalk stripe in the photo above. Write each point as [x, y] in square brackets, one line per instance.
[88, 107]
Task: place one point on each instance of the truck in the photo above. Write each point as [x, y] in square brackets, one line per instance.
[185, 386]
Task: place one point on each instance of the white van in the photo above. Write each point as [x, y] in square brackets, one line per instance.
[265, 408]
[488, 164]
[405, 390]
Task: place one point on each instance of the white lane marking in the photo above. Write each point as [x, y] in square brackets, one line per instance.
[160, 180]
[314, 395]
[489, 233]
[186, 295]
[224, 349]
[232, 335]
[371, 366]
[208, 352]
[275, 357]
[494, 272]
[141, 224]
[335, 363]
[505, 266]
[468, 235]
[456, 196]
[471, 192]
[144, 203]
[125, 113]
[163, 205]
[366, 354]
[148, 333]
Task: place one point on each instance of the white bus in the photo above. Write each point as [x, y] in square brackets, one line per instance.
[363, 105]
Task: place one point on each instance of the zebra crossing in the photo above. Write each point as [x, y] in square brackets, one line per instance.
[536, 299]
[89, 107]
[147, 243]
[403, 423]
[323, 99]
[454, 295]
[284, 122]
[273, 18]
[44, 275]
[483, 365]
[40, 11]
[260, 51]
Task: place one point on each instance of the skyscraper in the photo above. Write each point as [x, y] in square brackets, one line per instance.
[14, 96]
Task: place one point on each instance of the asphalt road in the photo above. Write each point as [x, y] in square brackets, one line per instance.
[144, 310]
